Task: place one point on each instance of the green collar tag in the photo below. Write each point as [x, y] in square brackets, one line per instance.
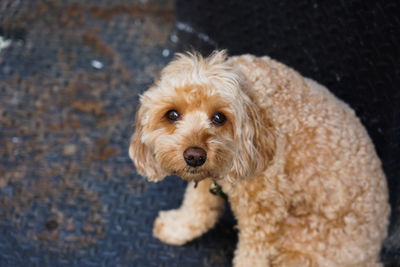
[216, 189]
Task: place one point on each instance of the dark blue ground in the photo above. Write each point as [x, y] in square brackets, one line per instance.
[69, 85]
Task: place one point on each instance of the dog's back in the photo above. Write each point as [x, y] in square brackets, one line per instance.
[327, 166]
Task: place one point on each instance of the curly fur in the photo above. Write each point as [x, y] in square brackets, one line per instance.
[302, 175]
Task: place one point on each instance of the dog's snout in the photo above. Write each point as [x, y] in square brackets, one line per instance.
[195, 156]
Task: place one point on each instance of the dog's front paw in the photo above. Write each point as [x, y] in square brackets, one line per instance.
[175, 227]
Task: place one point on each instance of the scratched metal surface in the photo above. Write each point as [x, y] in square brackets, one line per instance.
[70, 75]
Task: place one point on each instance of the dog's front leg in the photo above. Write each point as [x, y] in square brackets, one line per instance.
[198, 213]
[252, 252]
[260, 221]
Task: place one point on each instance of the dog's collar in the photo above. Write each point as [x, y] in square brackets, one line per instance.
[216, 189]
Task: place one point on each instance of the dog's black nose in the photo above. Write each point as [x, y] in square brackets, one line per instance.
[195, 156]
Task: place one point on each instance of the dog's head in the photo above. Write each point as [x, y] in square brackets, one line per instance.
[197, 122]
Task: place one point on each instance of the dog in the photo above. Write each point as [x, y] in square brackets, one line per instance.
[300, 171]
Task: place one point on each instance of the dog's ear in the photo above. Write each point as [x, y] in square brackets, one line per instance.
[256, 140]
[141, 154]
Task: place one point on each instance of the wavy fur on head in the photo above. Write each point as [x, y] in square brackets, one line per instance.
[198, 88]
[300, 171]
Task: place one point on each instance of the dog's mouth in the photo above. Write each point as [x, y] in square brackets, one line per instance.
[195, 174]
[194, 171]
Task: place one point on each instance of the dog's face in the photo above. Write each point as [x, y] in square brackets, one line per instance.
[190, 130]
[195, 123]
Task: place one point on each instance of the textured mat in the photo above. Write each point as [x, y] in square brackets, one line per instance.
[70, 75]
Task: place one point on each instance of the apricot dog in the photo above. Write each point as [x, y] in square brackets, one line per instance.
[300, 172]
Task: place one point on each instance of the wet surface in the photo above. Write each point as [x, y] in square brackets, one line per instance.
[70, 76]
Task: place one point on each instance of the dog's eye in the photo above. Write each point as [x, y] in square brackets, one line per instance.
[172, 115]
[218, 119]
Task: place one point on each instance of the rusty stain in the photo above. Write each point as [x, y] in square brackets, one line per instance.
[89, 106]
[108, 152]
[102, 150]
[135, 10]
[94, 41]
[75, 15]
[65, 125]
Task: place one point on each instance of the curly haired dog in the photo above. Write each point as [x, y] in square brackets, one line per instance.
[299, 169]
